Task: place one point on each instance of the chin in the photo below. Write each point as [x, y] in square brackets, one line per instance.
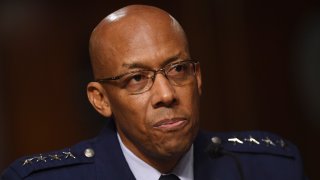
[176, 147]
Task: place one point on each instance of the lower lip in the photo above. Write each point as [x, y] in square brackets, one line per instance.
[173, 126]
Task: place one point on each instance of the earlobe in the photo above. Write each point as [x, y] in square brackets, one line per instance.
[98, 98]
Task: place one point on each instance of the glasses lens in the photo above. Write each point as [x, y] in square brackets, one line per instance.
[138, 82]
[181, 73]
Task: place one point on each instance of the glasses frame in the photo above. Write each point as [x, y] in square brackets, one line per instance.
[163, 71]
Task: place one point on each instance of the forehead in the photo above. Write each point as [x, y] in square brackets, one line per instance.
[135, 40]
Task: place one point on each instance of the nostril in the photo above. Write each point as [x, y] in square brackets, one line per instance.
[170, 103]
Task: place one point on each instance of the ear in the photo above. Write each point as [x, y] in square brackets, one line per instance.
[99, 99]
[198, 77]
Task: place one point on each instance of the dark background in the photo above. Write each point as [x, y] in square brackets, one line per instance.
[260, 62]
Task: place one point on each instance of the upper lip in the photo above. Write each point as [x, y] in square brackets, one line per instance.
[168, 121]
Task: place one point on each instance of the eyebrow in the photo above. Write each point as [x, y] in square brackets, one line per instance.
[143, 66]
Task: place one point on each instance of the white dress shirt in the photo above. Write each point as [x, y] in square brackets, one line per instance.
[143, 171]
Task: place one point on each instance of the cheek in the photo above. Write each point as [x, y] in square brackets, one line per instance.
[130, 113]
[123, 104]
[189, 98]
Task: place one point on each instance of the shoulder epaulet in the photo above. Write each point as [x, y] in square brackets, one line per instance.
[79, 154]
[255, 142]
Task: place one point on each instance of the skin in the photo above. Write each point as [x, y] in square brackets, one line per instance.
[144, 36]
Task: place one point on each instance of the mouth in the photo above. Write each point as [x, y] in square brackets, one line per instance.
[171, 124]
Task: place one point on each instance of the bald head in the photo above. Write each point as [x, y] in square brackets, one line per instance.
[127, 45]
[127, 29]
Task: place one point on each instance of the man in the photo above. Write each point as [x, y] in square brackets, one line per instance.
[149, 85]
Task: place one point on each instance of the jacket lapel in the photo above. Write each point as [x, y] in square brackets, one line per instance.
[110, 161]
[203, 164]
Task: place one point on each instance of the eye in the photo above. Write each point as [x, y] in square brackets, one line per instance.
[178, 69]
[137, 77]
[137, 81]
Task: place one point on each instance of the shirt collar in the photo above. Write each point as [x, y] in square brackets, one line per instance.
[143, 171]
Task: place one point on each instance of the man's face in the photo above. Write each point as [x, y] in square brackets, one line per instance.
[162, 122]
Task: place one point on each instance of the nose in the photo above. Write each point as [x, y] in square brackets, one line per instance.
[163, 94]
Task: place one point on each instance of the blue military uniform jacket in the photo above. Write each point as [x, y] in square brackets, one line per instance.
[261, 155]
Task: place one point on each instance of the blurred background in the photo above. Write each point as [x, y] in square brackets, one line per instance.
[260, 63]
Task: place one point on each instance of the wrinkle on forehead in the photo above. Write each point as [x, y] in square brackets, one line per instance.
[126, 23]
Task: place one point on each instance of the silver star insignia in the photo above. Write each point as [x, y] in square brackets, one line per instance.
[268, 141]
[41, 158]
[252, 140]
[27, 161]
[55, 157]
[282, 143]
[235, 140]
[68, 154]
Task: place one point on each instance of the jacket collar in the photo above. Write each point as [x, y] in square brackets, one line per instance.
[108, 150]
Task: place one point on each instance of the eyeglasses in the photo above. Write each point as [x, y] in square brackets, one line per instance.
[137, 82]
